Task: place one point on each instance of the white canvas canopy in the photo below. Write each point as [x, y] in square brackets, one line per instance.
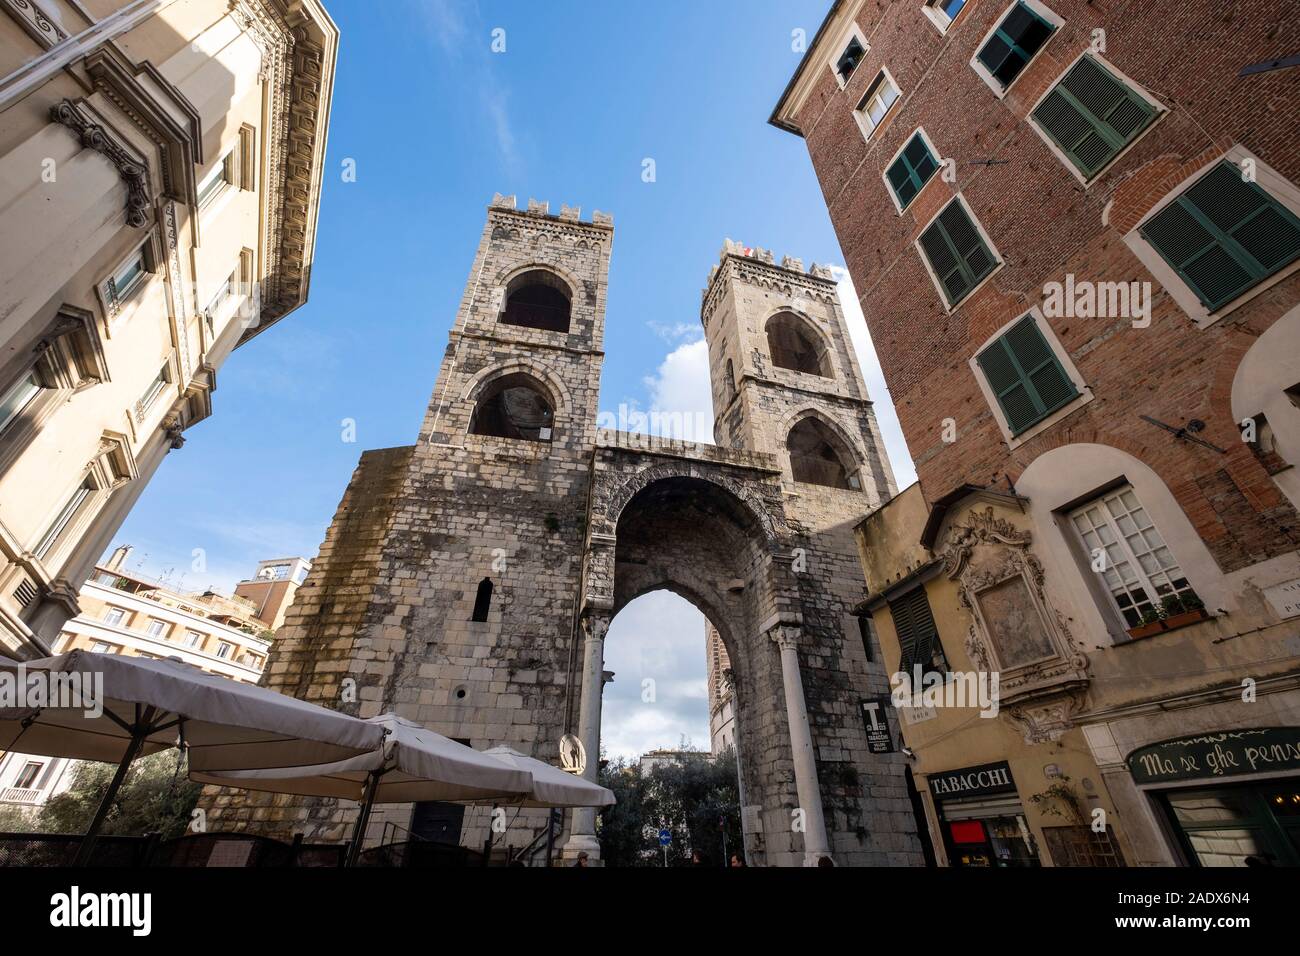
[412, 765]
[227, 725]
[114, 708]
[553, 787]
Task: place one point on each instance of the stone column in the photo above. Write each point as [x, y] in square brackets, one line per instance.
[582, 833]
[801, 747]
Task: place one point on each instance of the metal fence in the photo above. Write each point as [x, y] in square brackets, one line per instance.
[193, 850]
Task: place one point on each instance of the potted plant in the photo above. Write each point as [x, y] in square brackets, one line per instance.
[1180, 611]
[1152, 623]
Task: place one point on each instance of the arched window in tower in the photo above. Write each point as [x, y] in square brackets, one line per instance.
[818, 457]
[538, 299]
[795, 346]
[483, 600]
[513, 406]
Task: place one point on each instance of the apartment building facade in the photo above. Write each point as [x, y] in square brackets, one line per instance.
[1075, 231]
[160, 174]
[125, 612]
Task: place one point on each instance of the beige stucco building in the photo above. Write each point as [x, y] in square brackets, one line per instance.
[160, 173]
[125, 612]
[273, 586]
[996, 790]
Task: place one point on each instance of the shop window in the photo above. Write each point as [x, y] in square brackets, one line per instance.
[794, 346]
[1091, 115]
[1013, 43]
[1257, 825]
[538, 300]
[1141, 574]
[1025, 376]
[513, 406]
[816, 459]
[918, 638]
[911, 170]
[1223, 235]
[1083, 846]
[956, 252]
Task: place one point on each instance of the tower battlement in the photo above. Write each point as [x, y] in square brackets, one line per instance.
[542, 210]
[791, 264]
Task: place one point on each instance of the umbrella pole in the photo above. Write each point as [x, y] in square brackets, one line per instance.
[138, 733]
[363, 818]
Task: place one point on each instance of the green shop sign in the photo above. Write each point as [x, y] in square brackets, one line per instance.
[1224, 754]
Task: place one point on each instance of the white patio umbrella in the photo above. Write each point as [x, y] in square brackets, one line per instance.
[413, 764]
[552, 787]
[114, 708]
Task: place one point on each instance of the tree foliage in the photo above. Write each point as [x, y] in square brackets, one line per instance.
[157, 797]
[696, 797]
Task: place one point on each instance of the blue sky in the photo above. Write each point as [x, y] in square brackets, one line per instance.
[436, 122]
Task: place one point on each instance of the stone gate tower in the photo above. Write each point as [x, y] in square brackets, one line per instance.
[468, 581]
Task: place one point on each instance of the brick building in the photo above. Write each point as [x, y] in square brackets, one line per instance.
[1075, 231]
[468, 581]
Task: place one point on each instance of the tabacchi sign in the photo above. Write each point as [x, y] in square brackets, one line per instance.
[969, 781]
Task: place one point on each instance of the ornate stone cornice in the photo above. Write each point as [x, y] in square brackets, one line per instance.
[34, 21]
[180, 143]
[95, 136]
[297, 41]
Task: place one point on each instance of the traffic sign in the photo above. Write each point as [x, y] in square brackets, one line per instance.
[665, 837]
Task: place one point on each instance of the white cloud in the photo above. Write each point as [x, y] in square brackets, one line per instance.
[886, 416]
[658, 637]
[676, 331]
[679, 392]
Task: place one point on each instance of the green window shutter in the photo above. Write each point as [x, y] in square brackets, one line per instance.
[1092, 116]
[912, 170]
[1018, 37]
[956, 252]
[1224, 235]
[1024, 374]
[914, 625]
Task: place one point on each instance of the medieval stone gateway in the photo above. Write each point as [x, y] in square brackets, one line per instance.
[467, 582]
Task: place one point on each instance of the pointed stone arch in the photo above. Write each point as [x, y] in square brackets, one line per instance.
[795, 343]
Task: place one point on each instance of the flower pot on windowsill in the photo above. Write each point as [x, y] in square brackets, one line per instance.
[1186, 617]
[1146, 630]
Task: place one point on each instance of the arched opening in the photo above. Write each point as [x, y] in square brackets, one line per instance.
[706, 545]
[538, 299]
[1266, 402]
[482, 601]
[795, 346]
[659, 751]
[817, 457]
[514, 406]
